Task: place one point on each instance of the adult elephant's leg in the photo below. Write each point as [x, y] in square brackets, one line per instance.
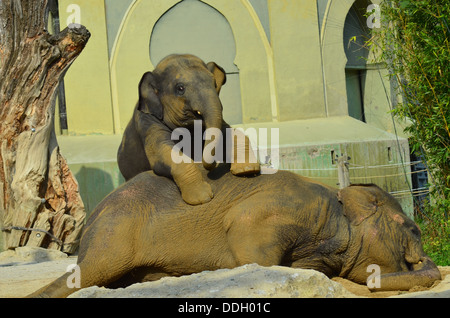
[95, 270]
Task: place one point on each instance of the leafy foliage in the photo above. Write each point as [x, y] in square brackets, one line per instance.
[414, 42]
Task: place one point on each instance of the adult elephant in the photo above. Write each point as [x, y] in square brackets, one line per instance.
[181, 90]
[144, 231]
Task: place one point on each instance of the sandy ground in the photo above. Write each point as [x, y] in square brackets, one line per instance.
[22, 274]
[22, 279]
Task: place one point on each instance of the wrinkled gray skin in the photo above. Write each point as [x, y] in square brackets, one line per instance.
[180, 90]
[143, 231]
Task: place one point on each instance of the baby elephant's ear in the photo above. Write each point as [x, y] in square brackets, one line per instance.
[359, 201]
[149, 101]
[219, 75]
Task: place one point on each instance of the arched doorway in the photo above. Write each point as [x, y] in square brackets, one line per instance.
[131, 58]
[193, 27]
[335, 55]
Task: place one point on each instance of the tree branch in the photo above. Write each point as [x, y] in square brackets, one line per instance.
[32, 171]
[71, 41]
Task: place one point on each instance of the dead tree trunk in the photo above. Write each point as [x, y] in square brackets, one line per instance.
[39, 200]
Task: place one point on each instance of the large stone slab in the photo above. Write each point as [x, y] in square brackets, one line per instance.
[242, 282]
[25, 270]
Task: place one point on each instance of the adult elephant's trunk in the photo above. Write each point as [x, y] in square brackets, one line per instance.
[213, 135]
[424, 273]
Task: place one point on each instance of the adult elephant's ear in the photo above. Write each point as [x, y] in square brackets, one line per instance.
[149, 101]
[359, 202]
[219, 75]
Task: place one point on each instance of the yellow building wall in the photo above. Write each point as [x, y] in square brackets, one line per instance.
[130, 58]
[294, 30]
[87, 82]
[299, 74]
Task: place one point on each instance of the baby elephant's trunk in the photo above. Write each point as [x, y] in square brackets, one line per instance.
[213, 138]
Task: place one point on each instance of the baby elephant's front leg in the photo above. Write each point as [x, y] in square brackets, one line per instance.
[194, 189]
[165, 161]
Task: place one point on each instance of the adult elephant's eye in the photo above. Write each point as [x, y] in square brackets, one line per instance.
[180, 89]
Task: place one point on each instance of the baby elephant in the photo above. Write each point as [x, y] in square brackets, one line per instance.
[143, 231]
[181, 90]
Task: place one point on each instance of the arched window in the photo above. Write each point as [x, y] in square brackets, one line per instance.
[355, 35]
[194, 27]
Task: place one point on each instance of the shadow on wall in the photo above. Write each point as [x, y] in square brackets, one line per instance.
[95, 184]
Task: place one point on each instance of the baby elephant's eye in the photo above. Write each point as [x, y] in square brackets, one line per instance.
[180, 89]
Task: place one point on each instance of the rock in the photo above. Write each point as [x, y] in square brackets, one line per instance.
[21, 275]
[248, 281]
